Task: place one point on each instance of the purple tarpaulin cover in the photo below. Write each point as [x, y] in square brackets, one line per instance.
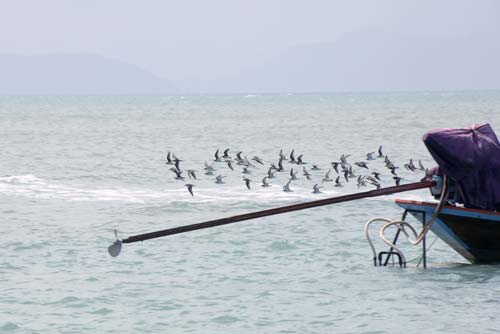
[471, 157]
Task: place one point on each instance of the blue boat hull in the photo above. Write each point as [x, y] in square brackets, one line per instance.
[474, 234]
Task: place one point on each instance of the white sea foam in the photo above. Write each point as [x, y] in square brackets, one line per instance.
[34, 187]
[31, 186]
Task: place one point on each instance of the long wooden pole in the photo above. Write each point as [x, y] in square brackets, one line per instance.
[279, 210]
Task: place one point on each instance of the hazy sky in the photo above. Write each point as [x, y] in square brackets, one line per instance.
[185, 40]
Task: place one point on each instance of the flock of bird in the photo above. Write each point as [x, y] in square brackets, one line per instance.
[344, 170]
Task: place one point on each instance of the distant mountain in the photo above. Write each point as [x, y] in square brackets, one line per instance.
[75, 74]
[376, 61]
[359, 61]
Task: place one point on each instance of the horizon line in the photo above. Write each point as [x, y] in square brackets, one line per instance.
[281, 93]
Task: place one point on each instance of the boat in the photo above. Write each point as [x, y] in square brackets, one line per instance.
[472, 233]
[467, 183]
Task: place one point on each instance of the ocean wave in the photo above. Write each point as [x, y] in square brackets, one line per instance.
[34, 187]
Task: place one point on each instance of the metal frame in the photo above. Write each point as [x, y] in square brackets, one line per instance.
[390, 254]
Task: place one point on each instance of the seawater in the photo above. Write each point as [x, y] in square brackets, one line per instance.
[74, 169]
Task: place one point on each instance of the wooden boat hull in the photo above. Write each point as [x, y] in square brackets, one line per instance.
[474, 234]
